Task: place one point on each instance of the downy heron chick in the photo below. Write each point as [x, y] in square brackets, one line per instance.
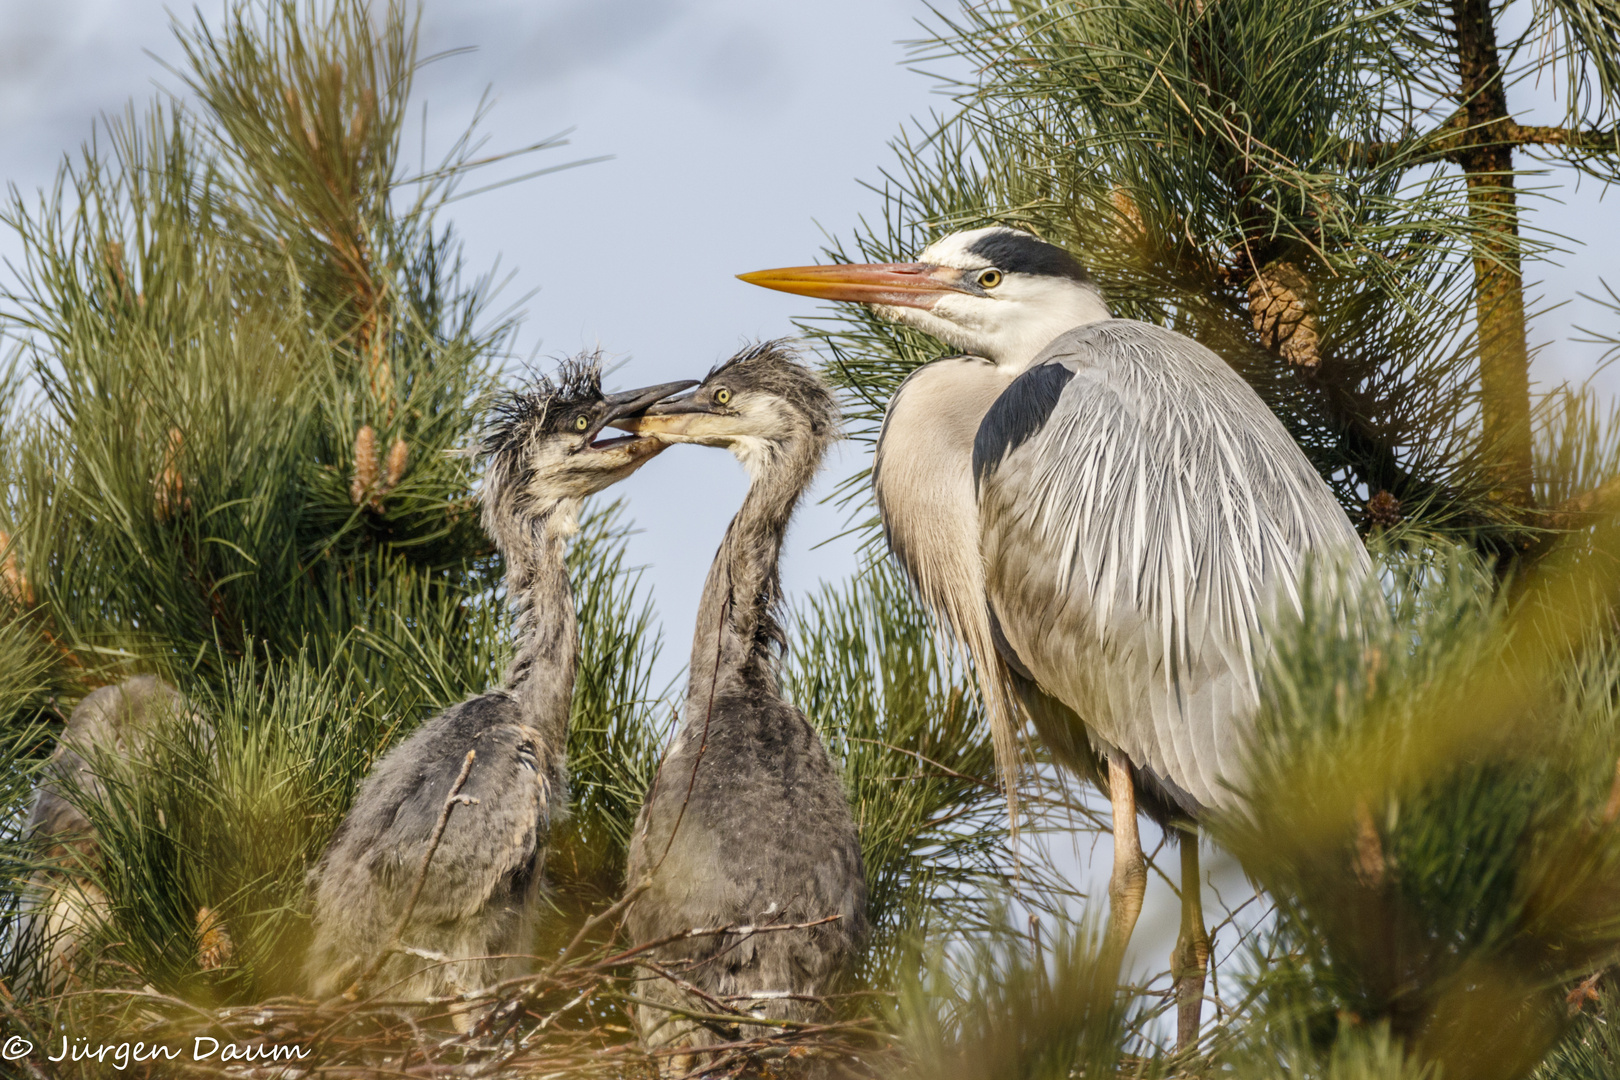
[747, 823]
[474, 915]
[61, 904]
[1105, 514]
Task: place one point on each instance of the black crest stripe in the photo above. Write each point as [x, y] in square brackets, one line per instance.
[1020, 253]
[1016, 416]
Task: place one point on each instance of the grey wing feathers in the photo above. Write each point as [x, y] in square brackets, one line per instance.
[487, 847]
[1140, 512]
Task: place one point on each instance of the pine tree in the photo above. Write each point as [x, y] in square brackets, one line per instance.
[247, 353]
[1328, 195]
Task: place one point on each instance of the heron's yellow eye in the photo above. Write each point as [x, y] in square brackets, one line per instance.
[581, 423]
[989, 279]
[722, 396]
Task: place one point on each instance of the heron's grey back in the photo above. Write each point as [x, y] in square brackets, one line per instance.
[1141, 512]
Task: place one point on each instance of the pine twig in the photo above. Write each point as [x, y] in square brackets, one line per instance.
[1580, 509]
[598, 919]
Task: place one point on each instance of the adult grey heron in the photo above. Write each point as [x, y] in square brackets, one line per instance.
[747, 822]
[479, 892]
[1104, 512]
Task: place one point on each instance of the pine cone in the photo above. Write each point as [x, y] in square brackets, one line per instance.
[1282, 303]
[1130, 215]
[1371, 867]
[14, 586]
[399, 455]
[1383, 510]
[365, 465]
[214, 945]
[113, 254]
[168, 489]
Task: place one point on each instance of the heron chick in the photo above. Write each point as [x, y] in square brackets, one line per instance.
[747, 823]
[474, 916]
[61, 904]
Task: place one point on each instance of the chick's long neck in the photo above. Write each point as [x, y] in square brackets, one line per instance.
[736, 625]
[541, 676]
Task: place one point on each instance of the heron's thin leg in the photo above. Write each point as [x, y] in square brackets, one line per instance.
[1191, 958]
[1129, 881]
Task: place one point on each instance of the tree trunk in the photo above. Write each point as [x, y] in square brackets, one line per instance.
[1486, 157]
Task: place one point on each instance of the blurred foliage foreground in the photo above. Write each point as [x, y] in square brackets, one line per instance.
[245, 345]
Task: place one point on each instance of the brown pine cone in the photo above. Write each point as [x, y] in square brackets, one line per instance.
[214, 945]
[365, 465]
[1282, 303]
[1383, 510]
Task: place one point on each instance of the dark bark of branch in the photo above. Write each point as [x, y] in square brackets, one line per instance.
[1487, 162]
[1542, 135]
[1451, 139]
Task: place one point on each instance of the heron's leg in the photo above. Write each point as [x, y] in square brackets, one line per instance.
[1191, 958]
[1129, 881]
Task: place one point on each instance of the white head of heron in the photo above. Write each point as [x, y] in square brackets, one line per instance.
[996, 292]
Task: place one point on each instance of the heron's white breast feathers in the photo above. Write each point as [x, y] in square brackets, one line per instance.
[923, 482]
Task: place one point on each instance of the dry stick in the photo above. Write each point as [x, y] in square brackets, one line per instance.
[740, 1049]
[530, 983]
[597, 920]
[152, 995]
[450, 802]
[749, 1020]
[735, 928]
[664, 973]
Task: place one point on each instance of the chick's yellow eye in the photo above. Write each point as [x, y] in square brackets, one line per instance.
[989, 279]
[581, 423]
[722, 396]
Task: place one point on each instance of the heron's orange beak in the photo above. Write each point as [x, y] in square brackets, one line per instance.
[918, 285]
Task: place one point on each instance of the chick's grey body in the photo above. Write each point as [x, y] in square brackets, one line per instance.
[481, 892]
[747, 822]
[113, 720]
[480, 898]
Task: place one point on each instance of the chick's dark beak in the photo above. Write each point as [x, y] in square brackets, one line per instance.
[689, 418]
[630, 402]
[686, 403]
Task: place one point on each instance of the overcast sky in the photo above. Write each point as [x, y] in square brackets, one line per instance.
[739, 130]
